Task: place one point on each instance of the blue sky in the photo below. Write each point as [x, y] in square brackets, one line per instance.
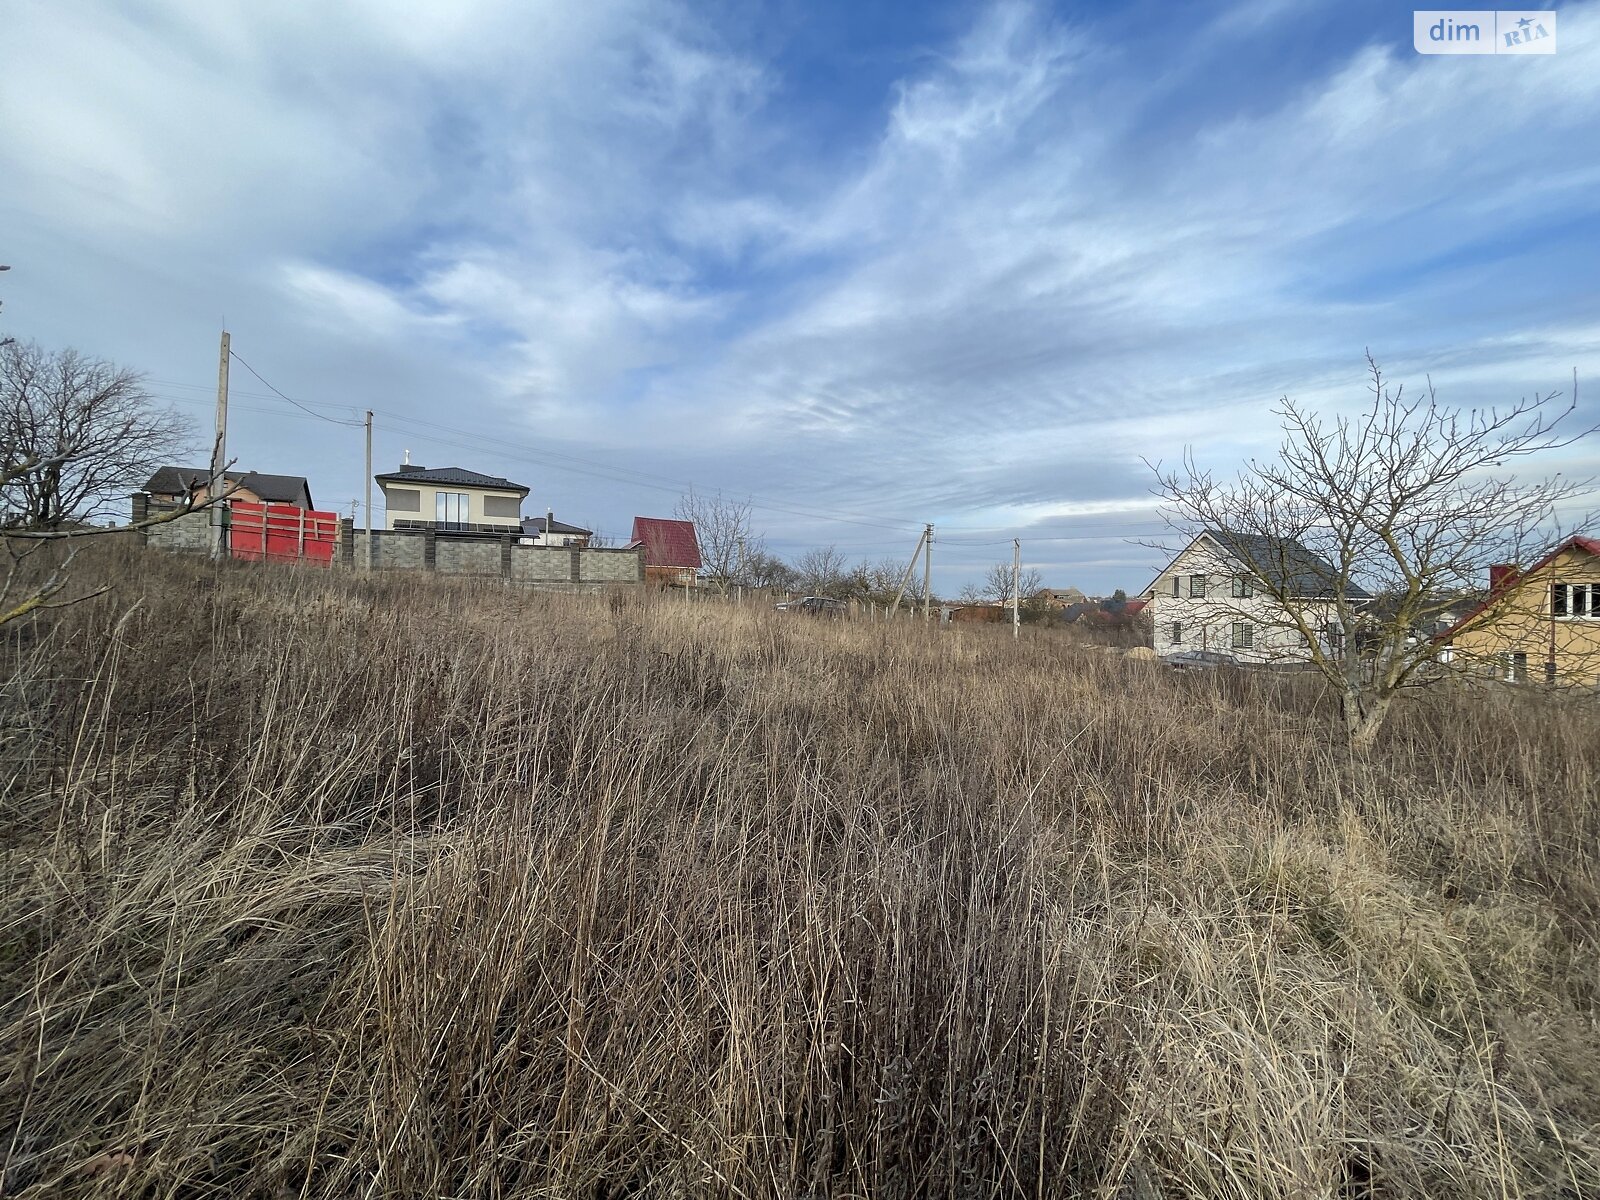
[877, 264]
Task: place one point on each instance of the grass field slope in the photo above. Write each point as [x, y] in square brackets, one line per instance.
[316, 885]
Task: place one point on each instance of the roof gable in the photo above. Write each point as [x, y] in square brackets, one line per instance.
[1520, 579]
[667, 543]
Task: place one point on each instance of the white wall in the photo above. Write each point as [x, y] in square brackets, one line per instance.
[1208, 622]
[429, 505]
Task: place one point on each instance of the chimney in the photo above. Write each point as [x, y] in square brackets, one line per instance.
[408, 467]
[1502, 576]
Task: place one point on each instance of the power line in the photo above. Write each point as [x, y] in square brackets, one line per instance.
[574, 464]
[291, 399]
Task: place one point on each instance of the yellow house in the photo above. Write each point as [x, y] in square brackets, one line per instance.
[1542, 624]
[451, 499]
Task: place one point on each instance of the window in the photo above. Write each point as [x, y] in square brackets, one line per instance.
[1197, 586]
[1176, 582]
[451, 510]
[1243, 635]
[1243, 589]
[1335, 636]
[1177, 633]
[1517, 666]
[1575, 599]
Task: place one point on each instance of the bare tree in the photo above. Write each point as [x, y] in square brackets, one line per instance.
[1397, 510]
[877, 582]
[89, 430]
[764, 570]
[821, 571]
[724, 531]
[997, 583]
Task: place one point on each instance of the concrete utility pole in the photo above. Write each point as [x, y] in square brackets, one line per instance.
[369, 489]
[927, 569]
[1016, 588]
[894, 610]
[219, 454]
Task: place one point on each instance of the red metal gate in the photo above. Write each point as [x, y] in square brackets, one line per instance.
[282, 533]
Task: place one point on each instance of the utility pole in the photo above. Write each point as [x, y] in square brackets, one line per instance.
[894, 610]
[219, 455]
[927, 569]
[369, 490]
[1016, 588]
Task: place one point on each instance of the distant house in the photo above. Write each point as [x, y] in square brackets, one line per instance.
[185, 485]
[1211, 597]
[534, 533]
[982, 613]
[1058, 598]
[671, 551]
[1547, 616]
[452, 499]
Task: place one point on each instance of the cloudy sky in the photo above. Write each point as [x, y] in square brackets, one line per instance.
[867, 264]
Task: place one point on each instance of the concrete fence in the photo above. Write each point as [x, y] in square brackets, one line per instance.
[494, 556]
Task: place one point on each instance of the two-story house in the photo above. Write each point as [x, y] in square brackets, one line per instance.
[1542, 624]
[450, 499]
[1217, 594]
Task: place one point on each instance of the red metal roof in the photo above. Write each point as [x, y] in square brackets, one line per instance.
[667, 543]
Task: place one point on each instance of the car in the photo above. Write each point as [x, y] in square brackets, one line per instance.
[1199, 660]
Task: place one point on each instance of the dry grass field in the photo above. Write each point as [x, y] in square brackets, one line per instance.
[331, 887]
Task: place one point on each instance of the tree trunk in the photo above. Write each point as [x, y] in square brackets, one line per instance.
[1363, 718]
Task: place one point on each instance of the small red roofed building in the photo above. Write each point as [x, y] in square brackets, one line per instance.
[671, 551]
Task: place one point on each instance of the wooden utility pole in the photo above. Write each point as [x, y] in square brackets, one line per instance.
[927, 569]
[219, 455]
[1016, 588]
[369, 489]
[894, 610]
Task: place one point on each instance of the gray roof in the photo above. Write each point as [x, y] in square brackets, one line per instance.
[456, 475]
[536, 525]
[279, 489]
[1286, 562]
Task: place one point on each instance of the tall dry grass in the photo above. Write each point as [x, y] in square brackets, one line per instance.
[326, 886]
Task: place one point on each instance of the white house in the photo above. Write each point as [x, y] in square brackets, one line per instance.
[450, 499]
[1211, 597]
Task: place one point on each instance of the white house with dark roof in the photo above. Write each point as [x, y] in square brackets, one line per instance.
[451, 499]
[559, 533]
[1214, 595]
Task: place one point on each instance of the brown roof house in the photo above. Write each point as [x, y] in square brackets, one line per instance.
[184, 485]
[671, 551]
